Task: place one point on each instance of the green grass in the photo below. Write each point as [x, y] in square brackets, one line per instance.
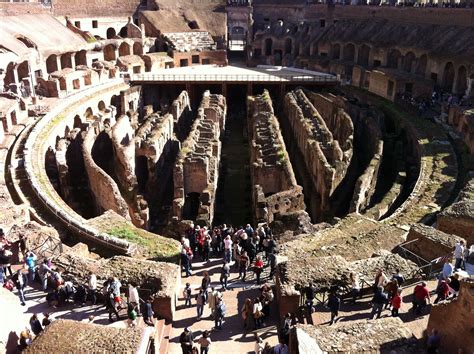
[157, 247]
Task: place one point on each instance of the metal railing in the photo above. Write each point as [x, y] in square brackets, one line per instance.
[297, 77]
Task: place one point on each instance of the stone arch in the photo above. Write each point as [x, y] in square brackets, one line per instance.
[461, 81]
[123, 32]
[111, 33]
[268, 46]
[393, 57]
[363, 56]
[422, 63]
[101, 106]
[26, 41]
[288, 46]
[52, 63]
[23, 70]
[124, 49]
[81, 57]
[448, 77]
[109, 52]
[336, 51]
[77, 121]
[349, 52]
[9, 74]
[66, 60]
[408, 61]
[137, 48]
[89, 114]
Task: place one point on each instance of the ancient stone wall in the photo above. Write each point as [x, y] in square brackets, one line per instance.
[324, 159]
[453, 320]
[275, 190]
[95, 8]
[182, 116]
[197, 166]
[463, 121]
[104, 188]
[458, 218]
[429, 243]
[124, 164]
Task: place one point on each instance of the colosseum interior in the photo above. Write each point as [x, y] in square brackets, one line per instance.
[136, 134]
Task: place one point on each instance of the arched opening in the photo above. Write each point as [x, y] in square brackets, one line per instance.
[102, 152]
[111, 33]
[336, 51]
[81, 58]
[66, 61]
[393, 56]
[191, 206]
[27, 42]
[52, 168]
[349, 52]
[101, 106]
[421, 67]
[77, 122]
[461, 82]
[193, 25]
[9, 75]
[408, 61]
[89, 115]
[363, 57]
[123, 32]
[141, 171]
[109, 53]
[124, 49]
[52, 63]
[268, 46]
[23, 70]
[448, 77]
[288, 46]
[137, 48]
[115, 101]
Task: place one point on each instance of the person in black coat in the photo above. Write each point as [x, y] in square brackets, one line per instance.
[334, 304]
[21, 281]
[186, 340]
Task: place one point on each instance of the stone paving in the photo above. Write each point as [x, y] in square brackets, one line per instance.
[231, 339]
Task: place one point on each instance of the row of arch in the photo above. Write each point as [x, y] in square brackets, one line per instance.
[451, 79]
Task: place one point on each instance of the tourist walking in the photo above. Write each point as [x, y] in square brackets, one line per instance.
[421, 298]
[228, 249]
[225, 273]
[378, 301]
[212, 300]
[243, 265]
[355, 284]
[257, 313]
[334, 303]
[459, 254]
[205, 342]
[35, 325]
[396, 303]
[186, 340]
[133, 297]
[205, 283]
[247, 314]
[220, 313]
[21, 280]
[186, 261]
[44, 272]
[200, 301]
[258, 268]
[442, 291]
[92, 284]
[148, 313]
[187, 295]
[30, 261]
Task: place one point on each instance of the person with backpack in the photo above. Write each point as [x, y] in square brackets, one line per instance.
[378, 301]
[334, 304]
[187, 295]
[220, 313]
[225, 273]
[30, 261]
